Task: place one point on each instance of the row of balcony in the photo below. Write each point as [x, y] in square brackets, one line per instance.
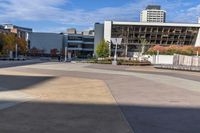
[80, 49]
[79, 42]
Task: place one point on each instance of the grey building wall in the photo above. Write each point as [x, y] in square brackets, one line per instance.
[98, 35]
[46, 41]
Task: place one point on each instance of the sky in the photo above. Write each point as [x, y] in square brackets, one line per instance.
[58, 15]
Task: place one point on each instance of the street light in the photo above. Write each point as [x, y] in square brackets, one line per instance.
[66, 52]
[116, 41]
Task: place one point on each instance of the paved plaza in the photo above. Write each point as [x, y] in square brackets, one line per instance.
[87, 98]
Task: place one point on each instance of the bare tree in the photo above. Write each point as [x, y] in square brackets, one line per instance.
[144, 43]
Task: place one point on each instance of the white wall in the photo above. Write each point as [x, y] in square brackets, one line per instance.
[46, 41]
[197, 44]
[98, 35]
[161, 59]
[107, 30]
[143, 17]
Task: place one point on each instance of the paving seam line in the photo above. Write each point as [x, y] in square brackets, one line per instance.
[120, 110]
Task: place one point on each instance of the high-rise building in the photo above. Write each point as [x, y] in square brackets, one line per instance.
[153, 13]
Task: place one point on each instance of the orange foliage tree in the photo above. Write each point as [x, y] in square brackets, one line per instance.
[9, 41]
[173, 49]
[54, 52]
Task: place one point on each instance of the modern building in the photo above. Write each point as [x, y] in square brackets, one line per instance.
[46, 42]
[153, 13]
[21, 32]
[2, 30]
[79, 44]
[154, 33]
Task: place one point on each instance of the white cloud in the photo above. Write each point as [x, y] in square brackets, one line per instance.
[35, 10]
[50, 10]
[189, 15]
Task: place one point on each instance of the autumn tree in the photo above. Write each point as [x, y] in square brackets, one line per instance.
[54, 52]
[1, 43]
[22, 45]
[8, 43]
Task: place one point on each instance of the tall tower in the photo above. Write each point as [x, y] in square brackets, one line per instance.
[153, 13]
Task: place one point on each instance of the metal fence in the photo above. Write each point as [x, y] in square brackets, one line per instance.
[193, 61]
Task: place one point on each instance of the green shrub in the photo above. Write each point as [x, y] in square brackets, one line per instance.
[102, 49]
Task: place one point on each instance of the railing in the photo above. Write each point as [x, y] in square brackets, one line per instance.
[193, 61]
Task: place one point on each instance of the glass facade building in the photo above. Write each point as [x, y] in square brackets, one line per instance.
[79, 45]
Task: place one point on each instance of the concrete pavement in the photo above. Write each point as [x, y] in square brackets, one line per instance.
[60, 104]
[149, 102]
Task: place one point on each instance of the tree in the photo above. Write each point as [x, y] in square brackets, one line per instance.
[144, 42]
[34, 51]
[22, 45]
[1, 43]
[173, 49]
[54, 52]
[8, 43]
[102, 49]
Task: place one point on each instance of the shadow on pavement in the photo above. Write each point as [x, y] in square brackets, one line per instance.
[35, 117]
[87, 118]
[11, 82]
[152, 119]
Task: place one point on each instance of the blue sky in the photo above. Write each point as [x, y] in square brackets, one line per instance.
[58, 15]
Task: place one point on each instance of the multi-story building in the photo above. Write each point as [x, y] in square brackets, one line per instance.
[153, 13]
[132, 34]
[46, 42]
[2, 30]
[21, 32]
[79, 44]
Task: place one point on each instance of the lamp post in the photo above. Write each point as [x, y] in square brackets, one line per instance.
[115, 56]
[116, 41]
[66, 52]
